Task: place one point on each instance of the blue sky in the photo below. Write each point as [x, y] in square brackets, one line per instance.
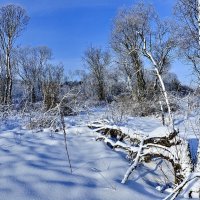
[68, 27]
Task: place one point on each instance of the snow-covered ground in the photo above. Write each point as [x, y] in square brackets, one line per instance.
[34, 165]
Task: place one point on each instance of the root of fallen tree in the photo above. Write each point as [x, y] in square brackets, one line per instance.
[142, 148]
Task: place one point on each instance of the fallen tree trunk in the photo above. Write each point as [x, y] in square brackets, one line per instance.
[141, 148]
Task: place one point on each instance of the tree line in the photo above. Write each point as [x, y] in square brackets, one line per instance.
[165, 39]
[29, 68]
[139, 38]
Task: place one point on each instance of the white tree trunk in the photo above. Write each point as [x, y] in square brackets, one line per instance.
[165, 94]
[155, 65]
[161, 83]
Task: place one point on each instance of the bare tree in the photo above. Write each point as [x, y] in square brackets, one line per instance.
[31, 65]
[41, 78]
[187, 34]
[125, 40]
[161, 44]
[97, 62]
[147, 54]
[13, 20]
[51, 82]
[125, 66]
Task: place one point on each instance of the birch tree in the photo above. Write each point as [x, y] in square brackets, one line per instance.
[13, 20]
[166, 44]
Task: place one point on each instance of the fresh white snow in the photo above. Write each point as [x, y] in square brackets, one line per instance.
[34, 164]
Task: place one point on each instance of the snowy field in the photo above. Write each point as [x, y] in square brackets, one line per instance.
[34, 164]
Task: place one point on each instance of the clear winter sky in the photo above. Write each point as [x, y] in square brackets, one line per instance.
[68, 27]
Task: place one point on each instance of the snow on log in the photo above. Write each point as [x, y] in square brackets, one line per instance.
[141, 147]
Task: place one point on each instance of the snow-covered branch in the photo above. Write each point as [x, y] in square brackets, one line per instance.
[147, 54]
[143, 148]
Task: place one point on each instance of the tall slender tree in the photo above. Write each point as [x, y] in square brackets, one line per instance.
[13, 20]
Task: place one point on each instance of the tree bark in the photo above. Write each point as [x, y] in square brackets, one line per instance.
[141, 84]
[8, 87]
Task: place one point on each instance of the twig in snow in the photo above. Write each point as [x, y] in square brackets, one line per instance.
[135, 164]
[65, 139]
[105, 179]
